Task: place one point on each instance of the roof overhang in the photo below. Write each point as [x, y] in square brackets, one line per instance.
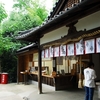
[27, 48]
[66, 17]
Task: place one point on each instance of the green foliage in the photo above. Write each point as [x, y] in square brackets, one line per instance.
[9, 64]
[3, 13]
[26, 14]
[22, 5]
[6, 44]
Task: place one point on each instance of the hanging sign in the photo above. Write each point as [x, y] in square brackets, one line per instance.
[79, 48]
[89, 46]
[43, 54]
[98, 45]
[63, 50]
[70, 49]
[46, 53]
[56, 52]
[51, 52]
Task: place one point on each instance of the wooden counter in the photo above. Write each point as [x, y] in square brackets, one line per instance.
[64, 82]
[46, 79]
[61, 82]
[25, 77]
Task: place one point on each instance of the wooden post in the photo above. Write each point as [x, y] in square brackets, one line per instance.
[80, 74]
[68, 64]
[65, 65]
[39, 69]
[54, 64]
[17, 70]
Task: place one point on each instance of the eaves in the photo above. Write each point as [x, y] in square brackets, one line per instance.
[66, 17]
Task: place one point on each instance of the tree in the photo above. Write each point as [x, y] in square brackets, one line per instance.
[26, 14]
[5, 42]
[3, 13]
[34, 8]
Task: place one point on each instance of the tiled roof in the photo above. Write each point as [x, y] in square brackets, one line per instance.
[26, 48]
[53, 20]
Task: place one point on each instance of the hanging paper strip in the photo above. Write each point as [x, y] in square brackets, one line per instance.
[56, 52]
[79, 48]
[46, 53]
[70, 49]
[43, 54]
[98, 45]
[89, 46]
[63, 50]
[51, 52]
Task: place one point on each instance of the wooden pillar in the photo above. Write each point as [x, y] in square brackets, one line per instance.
[17, 70]
[39, 69]
[54, 64]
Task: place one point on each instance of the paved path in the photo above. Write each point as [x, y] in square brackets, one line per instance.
[14, 91]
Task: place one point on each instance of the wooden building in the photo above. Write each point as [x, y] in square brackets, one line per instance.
[72, 33]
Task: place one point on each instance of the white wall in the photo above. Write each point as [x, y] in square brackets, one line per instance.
[54, 35]
[89, 22]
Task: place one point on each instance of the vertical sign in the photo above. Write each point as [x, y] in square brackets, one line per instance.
[56, 52]
[89, 46]
[63, 50]
[70, 49]
[98, 45]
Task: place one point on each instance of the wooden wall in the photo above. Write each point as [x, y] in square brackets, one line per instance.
[23, 63]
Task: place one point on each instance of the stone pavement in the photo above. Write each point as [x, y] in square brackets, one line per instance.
[13, 91]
